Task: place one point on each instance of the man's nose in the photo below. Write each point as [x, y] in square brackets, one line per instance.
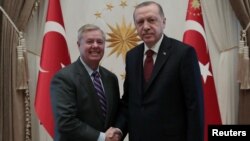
[146, 26]
[95, 44]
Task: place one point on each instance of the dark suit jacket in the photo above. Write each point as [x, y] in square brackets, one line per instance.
[75, 103]
[170, 106]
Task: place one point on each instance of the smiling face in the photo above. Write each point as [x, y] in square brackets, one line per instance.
[91, 46]
[149, 23]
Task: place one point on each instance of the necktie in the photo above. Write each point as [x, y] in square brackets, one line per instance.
[148, 64]
[100, 92]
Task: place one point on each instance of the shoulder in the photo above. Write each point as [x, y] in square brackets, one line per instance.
[179, 46]
[68, 70]
[107, 72]
[136, 49]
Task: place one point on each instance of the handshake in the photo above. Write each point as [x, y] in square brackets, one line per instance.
[113, 134]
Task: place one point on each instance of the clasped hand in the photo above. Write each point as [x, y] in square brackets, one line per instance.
[113, 134]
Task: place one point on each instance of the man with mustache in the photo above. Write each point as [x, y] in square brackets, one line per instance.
[163, 96]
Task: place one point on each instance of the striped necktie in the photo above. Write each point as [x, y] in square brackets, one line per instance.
[100, 92]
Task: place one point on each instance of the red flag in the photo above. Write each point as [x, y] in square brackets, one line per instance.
[54, 56]
[194, 35]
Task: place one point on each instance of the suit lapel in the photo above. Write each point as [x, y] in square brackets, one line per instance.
[139, 68]
[162, 57]
[86, 82]
[108, 92]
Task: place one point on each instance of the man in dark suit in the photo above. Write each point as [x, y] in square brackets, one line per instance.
[163, 96]
[85, 96]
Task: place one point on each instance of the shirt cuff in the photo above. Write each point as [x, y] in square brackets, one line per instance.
[101, 137]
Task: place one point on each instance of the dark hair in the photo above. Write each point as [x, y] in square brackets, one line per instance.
[146, 3]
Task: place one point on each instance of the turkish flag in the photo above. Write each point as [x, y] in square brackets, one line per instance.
[194, 35]
[54, 56]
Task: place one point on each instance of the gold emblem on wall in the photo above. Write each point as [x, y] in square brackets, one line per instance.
[122, 38]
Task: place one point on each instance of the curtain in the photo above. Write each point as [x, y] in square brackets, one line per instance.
[242, 11]
[14, 100]
[221, 26]
[34, 36]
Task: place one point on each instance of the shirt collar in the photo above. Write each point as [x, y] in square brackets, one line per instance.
[89, 70]
[155, 48]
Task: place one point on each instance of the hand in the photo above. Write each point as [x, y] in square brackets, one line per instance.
[113, 134]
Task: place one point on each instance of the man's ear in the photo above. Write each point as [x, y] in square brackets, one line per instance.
[164, 20]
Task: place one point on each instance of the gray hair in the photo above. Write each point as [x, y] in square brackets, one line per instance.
[88, 27]
[146, 3]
